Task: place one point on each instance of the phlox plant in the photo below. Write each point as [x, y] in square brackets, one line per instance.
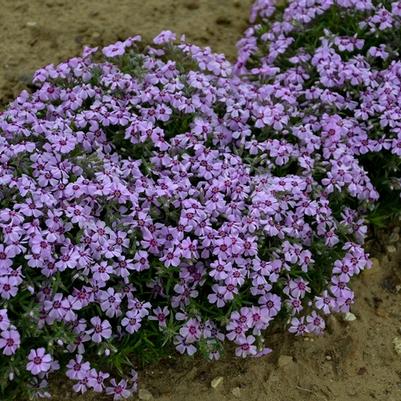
[156, 197]
[341, 59]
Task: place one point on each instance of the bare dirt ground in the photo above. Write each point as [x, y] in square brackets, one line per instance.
[353, 361]
[38, 32]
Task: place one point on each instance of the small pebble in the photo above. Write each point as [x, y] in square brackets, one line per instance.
[349, 317]
[391, 249]
[145, 395]
[397, 345]
[217, 381]
[236, 392]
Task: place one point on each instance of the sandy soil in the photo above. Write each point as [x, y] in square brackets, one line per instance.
[354, 361]
[39, 32]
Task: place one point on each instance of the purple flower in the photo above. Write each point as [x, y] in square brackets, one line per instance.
[5, 256]
[236, 330]
[82, 385]
[77, 369]
[315, 324]
[10, 341]
[164, 37]
[246, 347]
[272, 303]
[160, 315]
[7, 290]
[191, 330]
[114, 50]
[4, 321]
[101, 329]
[110, 302]
[118, 390]
[324, 302]
[132, 321]
[96, 380]
[184, 346]
[217, 297]
[102, 272]
[298, 326]
[297, 288]
[39, 361]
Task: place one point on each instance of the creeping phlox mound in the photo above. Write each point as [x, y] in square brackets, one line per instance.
[153, 198]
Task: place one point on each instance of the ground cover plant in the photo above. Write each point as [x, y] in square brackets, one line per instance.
[155, 197]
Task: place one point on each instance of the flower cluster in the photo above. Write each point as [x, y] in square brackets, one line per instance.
[155, 195]
[341, 61]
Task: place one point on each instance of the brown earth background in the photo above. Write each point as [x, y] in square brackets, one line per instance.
[353, 361]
